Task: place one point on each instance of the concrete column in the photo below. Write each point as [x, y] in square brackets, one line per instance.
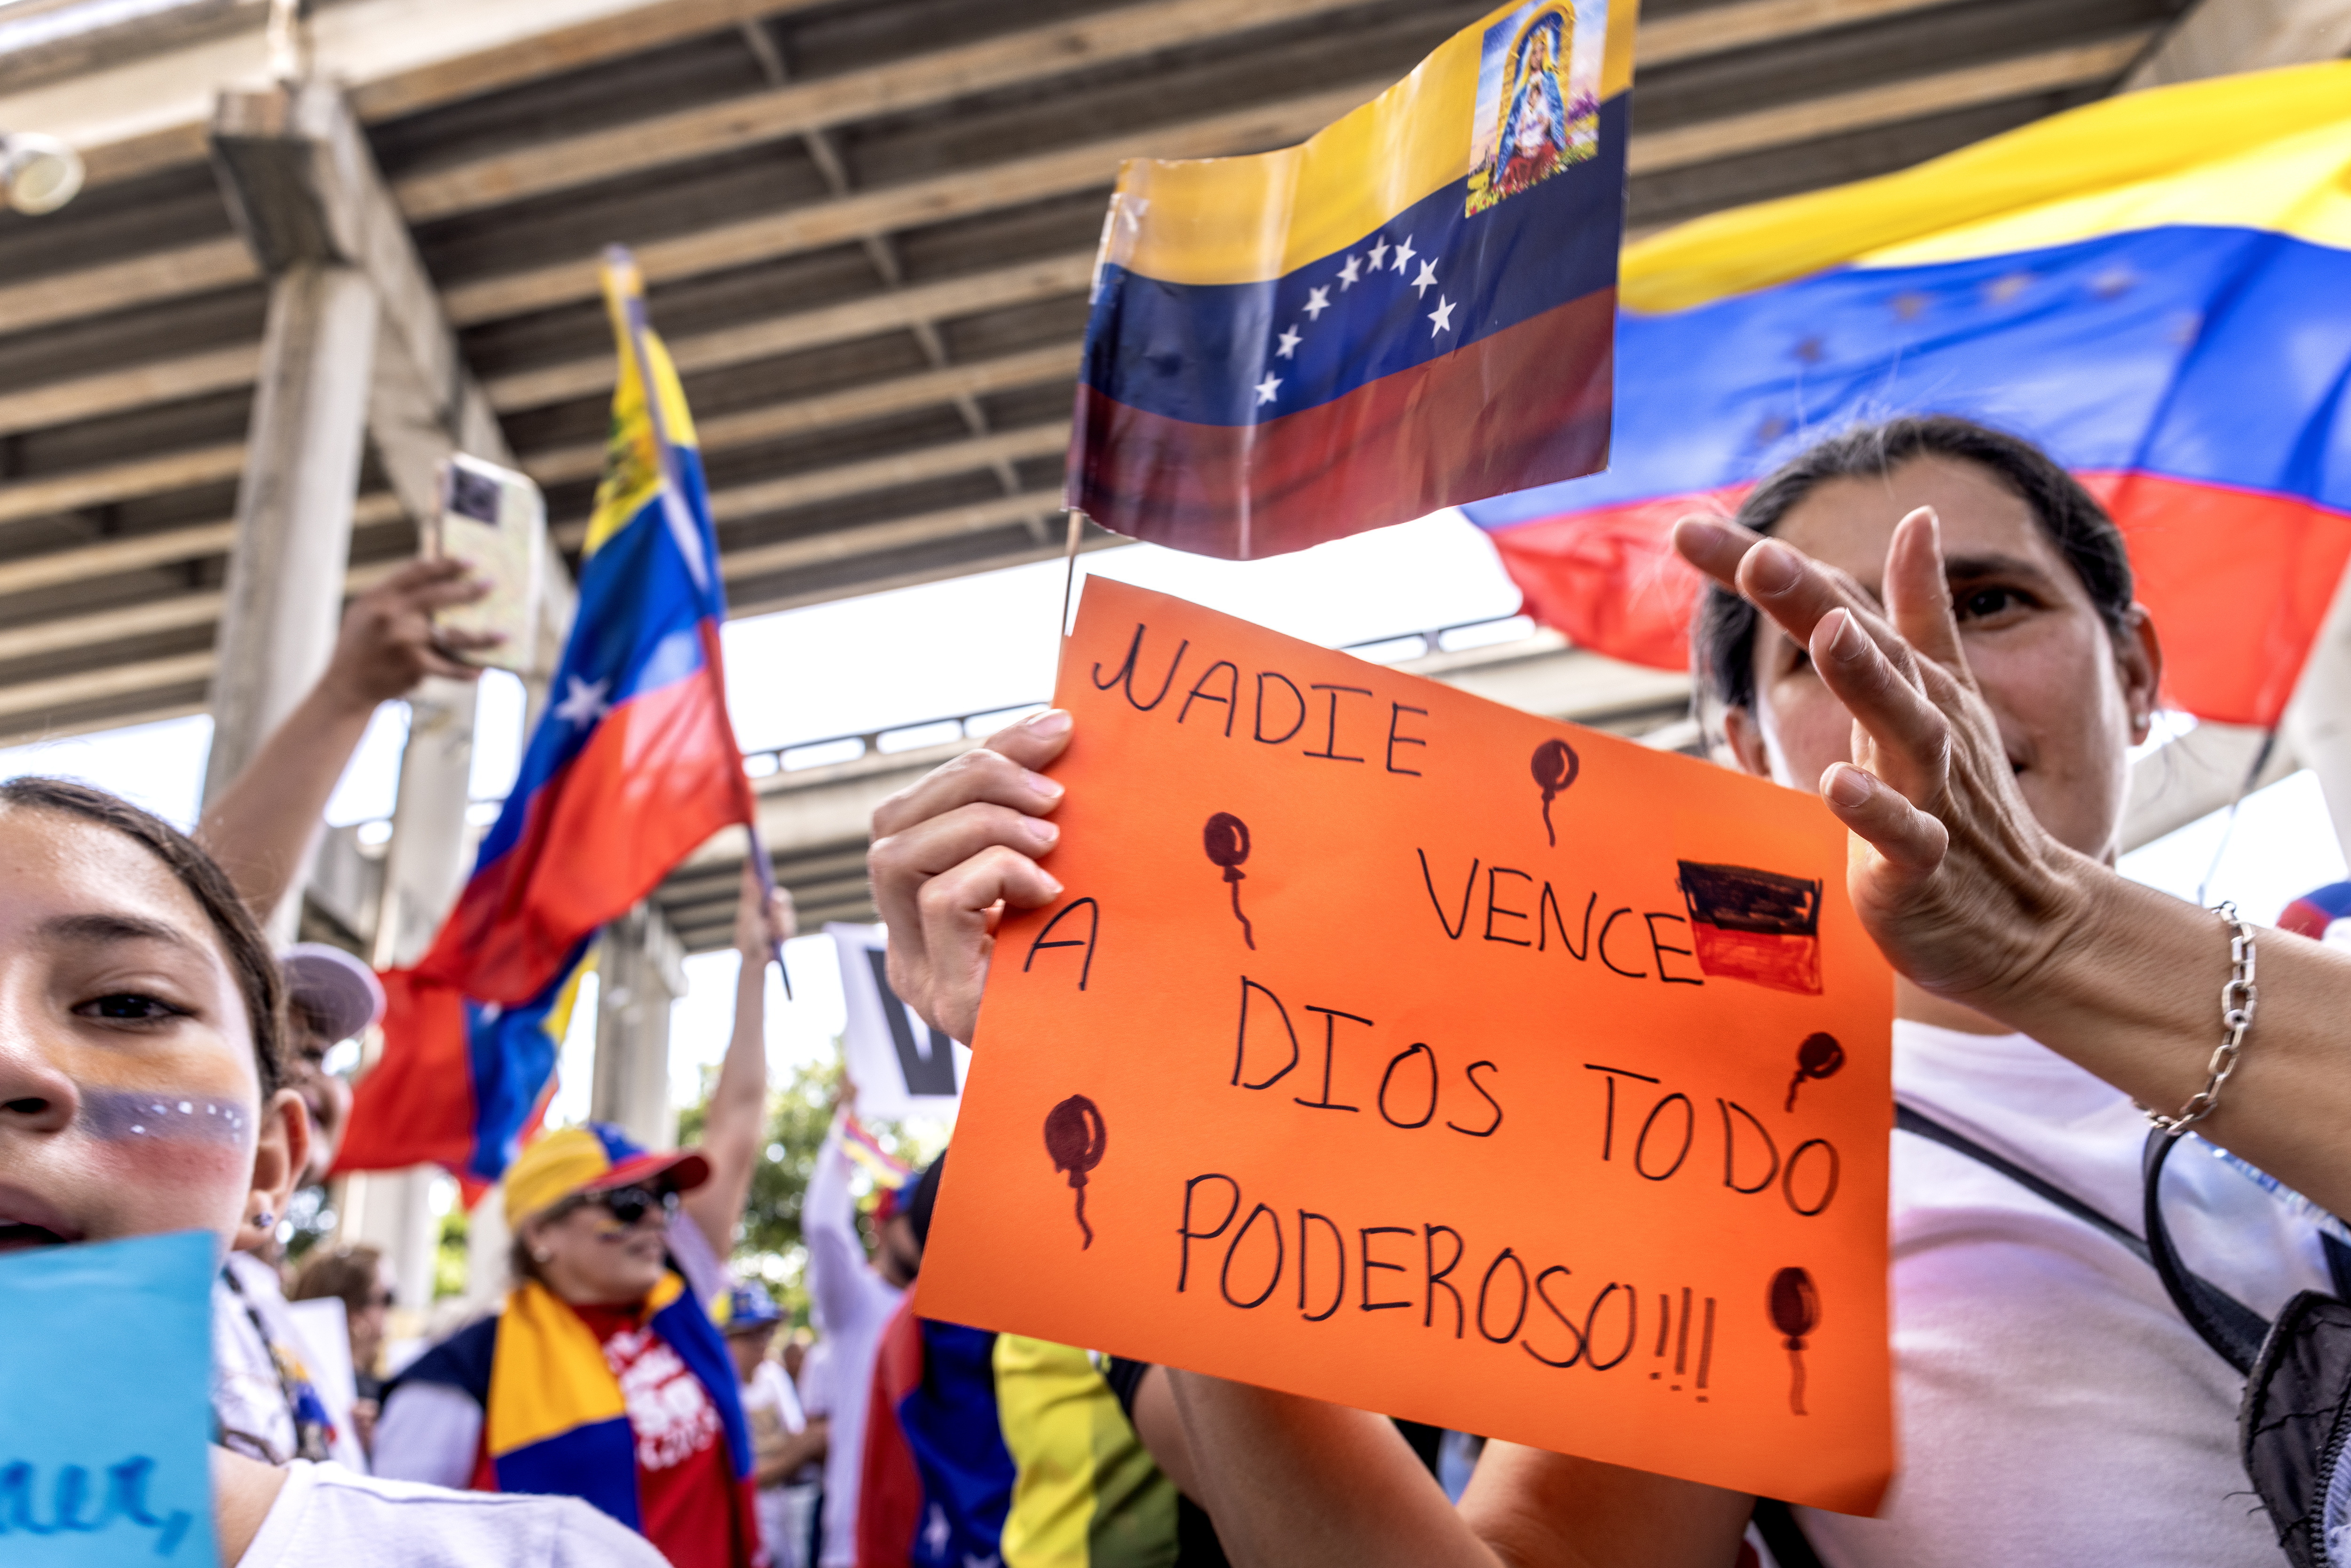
[428, 859]
[642, 971]
[487, 1239]
[285, 586]
[392, 1210]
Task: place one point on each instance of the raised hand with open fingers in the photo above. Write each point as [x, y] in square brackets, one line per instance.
[1959, 883]
[952, 852]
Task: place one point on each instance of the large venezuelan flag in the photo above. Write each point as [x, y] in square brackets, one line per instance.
[1412, 308]
[2156, 287]
[632, 767]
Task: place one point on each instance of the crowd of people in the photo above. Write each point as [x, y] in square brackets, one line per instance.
[1929, 622]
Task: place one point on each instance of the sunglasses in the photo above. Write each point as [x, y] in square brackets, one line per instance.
[630, 1205]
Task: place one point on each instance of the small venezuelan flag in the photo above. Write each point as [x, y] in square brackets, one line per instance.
[632, 767]
[1411, 309]
[2155, 288]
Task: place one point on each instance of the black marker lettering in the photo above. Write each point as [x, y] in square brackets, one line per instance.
[1364, 1238]
[1430, 1113]
[1225, 1275]
[1125, 672]
[1487, 1284]
[1094, 929]
[1494, 1126]
[1494, 908]
[1395, 711]
[1331, 1017]
[1660, 949]
[1338, 1251]
[1608, 1128]
[1200, 694]
[1689, 1131]
[1681, 1340]
[1788, 1177]
[1329, 751]
[1542, 1288]
[1731, 1148]
[1187, 1235]
[1632, 1326]
[1240, 1044]
[1436, 1277]
[1550, 906]
[1256, 728]
[1610, 926]
[1453, 928]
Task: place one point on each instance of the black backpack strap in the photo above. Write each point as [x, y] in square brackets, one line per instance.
[1933, 1131]
[2233, 1328]
[2338, 1264]
[1775, 1522]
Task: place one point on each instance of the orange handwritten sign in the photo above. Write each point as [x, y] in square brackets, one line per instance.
[1396, 1048]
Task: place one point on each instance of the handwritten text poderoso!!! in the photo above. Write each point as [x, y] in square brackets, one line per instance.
[1420, 1071]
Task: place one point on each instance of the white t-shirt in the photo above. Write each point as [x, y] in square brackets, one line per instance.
[248, 1394]
[2054, 1409]
[327, 1515]
[853, 1304]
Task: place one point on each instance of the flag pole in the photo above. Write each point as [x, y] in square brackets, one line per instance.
[1069, 568]
[687, 532]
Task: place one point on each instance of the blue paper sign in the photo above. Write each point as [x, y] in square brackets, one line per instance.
[105, 1412]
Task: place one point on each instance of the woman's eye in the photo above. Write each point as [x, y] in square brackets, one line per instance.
[1983, 603]
[128, 1004]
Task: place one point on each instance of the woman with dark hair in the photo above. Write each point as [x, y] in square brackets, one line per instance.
[1948, 649]
[131, 978]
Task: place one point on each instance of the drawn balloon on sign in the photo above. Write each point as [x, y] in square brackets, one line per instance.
[1227, 839]
[1556, 767]
[1076, 1137]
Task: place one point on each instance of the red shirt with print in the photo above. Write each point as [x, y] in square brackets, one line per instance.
[685, 1485]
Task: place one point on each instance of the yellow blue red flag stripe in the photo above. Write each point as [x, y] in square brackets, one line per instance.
[632, 766]
[1412, 308]
[2155, 288]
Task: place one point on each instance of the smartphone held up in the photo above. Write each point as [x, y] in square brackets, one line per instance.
[495, 518]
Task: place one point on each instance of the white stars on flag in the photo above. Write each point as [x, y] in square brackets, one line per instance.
[1379, 254]
[1365, 267]
[1267, 388]
[1442, 315]
[1290, 340]
[1317, 301]
[1426, 280]
[1403, 253]
[583, 702]
[1348, 276]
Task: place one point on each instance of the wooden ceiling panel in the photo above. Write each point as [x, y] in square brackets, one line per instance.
[171, 207]
[1677, 194]
[1878, 52]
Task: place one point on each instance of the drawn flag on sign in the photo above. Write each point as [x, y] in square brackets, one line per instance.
[900, 1064]
[1413, 309]
[1755, 925]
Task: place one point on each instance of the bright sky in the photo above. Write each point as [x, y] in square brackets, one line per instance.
[976, 643]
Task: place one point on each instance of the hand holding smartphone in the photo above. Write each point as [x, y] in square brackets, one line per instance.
[495, 518]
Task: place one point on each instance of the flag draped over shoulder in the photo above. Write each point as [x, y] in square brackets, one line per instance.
[1411, 309]
[2155, 288]
[632, 767]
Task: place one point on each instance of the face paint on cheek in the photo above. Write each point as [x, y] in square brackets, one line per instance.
[125, 1115]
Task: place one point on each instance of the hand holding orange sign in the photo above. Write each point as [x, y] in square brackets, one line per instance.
[1365, 1088]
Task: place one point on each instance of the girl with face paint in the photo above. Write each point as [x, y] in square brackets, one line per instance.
[1939, 636]
[140, 1091]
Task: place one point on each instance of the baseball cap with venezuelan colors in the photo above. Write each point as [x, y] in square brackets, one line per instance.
[595, 1157]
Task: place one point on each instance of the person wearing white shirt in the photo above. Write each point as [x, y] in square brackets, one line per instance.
[1963, 686]
[852, 1301]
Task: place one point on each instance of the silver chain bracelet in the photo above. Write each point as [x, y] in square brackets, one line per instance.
[2237, 1000]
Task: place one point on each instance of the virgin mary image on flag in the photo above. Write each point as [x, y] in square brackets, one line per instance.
[1538, 96]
